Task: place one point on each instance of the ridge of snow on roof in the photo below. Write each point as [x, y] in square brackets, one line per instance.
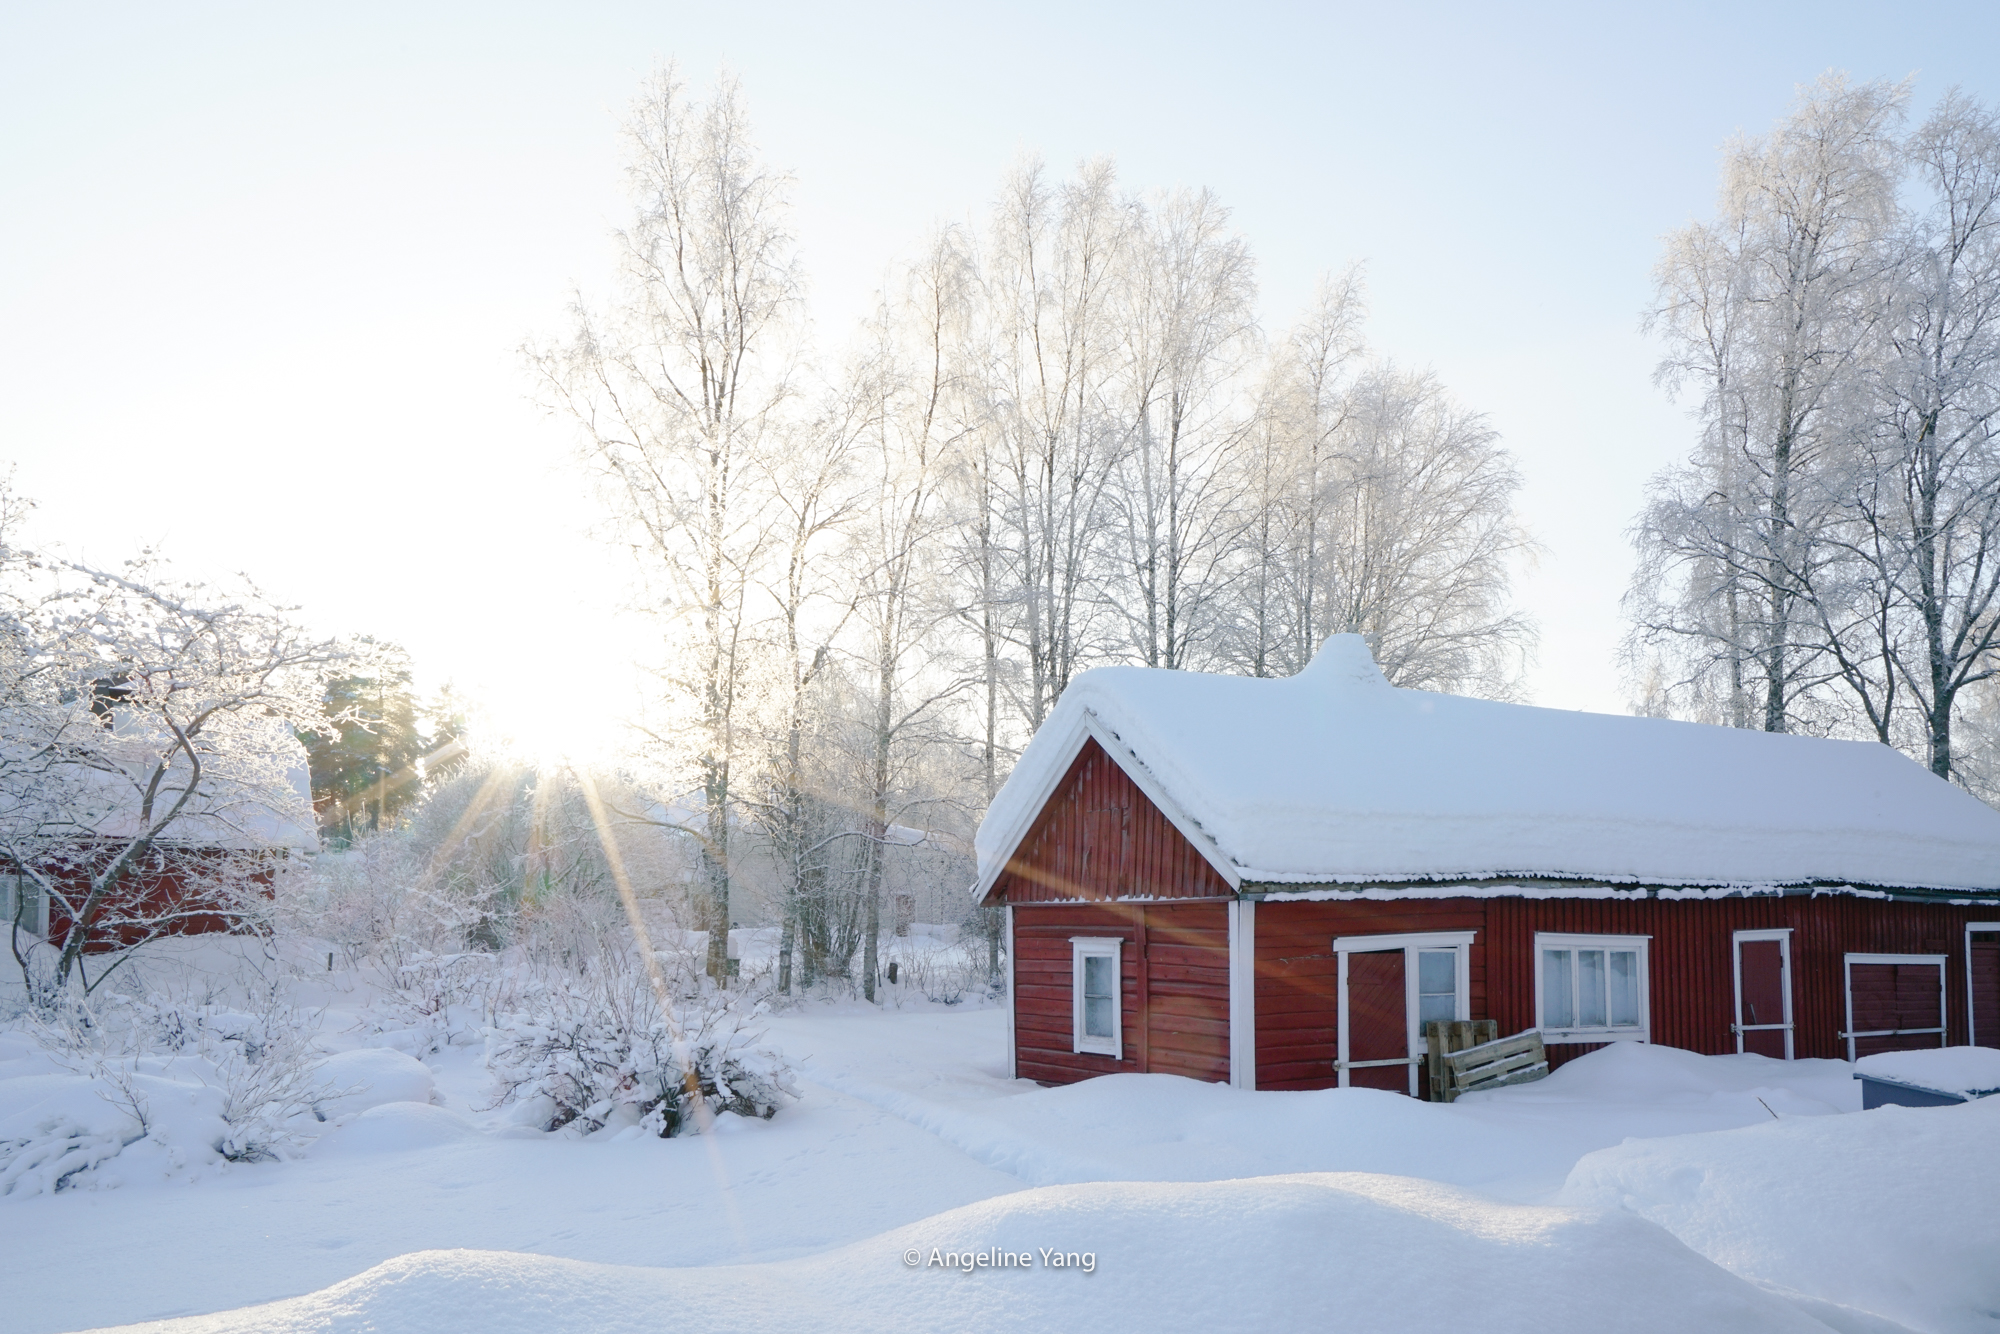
[1335, 776]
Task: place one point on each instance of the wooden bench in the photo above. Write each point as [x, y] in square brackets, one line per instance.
[1467, 1055]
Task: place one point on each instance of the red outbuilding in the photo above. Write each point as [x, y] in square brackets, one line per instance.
[1278, 883]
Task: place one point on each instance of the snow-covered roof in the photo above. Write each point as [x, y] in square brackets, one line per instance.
[1334, 776]
[258, 796]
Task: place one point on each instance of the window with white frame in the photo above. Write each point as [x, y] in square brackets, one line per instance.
[22, 900]
[1094, 993]
[1592, 988]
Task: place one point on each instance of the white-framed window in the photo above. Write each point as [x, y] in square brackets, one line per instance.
[1592, 988]
[1096, 994]
[19, 892]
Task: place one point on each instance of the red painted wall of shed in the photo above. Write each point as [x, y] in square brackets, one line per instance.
[1691, 963]
[1098, 839]
[175, 887]
[1174, 989]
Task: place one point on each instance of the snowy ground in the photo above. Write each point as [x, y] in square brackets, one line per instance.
[1639, 1188]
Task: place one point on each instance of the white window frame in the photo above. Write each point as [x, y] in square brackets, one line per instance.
[1783, 935]
[1098, 947]
[1940, 961]
[1459, 942]
[38, 925]
[1563, 940]
[1971, 1015]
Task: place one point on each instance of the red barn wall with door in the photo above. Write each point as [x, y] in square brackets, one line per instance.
[1101, 860]
[1691, 963]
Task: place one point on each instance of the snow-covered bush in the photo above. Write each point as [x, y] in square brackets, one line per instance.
[611, 1046]
[944, 971]
[181, 1080]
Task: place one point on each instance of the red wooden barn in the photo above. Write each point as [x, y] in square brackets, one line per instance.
[1277, 882]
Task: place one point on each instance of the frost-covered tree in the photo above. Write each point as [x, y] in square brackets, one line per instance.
[1769, 314]
[1185, 312]
[146, 740]
[678, 384]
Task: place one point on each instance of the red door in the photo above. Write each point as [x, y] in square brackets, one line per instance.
[1894, 1004]
[1763, 1019]
[1378, 1022]
[1983, 965]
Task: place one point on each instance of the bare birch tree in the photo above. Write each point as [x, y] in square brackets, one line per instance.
[677, 387]
[1186, 314]
[1770, 310]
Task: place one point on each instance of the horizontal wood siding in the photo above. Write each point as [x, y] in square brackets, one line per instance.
[1174, 989]
[1691, 964]
[1099, 839]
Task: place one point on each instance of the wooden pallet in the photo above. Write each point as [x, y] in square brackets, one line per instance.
[1467, 1055]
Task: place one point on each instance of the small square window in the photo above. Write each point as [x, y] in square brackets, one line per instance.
[1591, 988]
[1095, 998]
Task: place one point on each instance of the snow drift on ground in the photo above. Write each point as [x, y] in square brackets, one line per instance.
[1895, 1212]
[905, 1116]
[1288, 1253]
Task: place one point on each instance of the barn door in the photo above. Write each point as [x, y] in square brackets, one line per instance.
[1377, 1052]
[1895, 1002]
[1982, 982]
[1390, 985]
[1764, 993]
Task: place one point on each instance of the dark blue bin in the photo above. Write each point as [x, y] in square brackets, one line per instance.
[1877, 1091]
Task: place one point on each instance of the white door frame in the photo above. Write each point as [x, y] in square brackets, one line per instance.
[1940, 961]
[1459, 942]
[1783, 935]
[1971, 1015]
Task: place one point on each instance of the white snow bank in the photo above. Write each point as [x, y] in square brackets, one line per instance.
[390, 1127]
[1334, 775]
[370, 1076]
[1893, 1212]
[1354, 1251]
[1659, 1076]
[1973, 1070]
[65, 1130]
[1517, 1143]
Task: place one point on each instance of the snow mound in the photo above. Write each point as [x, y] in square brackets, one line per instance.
[1891, 1212]
[1646, 1072]
[393, 1126]
[369, 1077]
[1974, 1070]
[1364, 1252]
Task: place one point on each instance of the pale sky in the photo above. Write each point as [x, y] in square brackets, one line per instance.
[265, 271]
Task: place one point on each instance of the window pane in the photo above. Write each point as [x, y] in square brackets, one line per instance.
[1625, 988]
[1099, 995]
[1096, 1016]
[1557, 1009]
[1444, 1008]
[1590, 988]
[1437, 971]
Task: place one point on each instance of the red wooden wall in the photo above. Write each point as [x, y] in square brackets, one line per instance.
[1099, 838]
[1174, 997]
[1690, 965]
[172, 892]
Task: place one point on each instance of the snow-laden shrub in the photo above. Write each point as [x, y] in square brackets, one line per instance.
[942, 971]
[177, 1081]
[597, 1048]
[439, 998]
